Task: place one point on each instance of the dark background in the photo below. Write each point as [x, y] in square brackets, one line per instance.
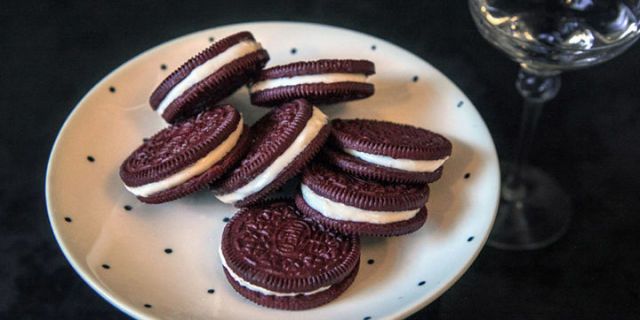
[52, 53]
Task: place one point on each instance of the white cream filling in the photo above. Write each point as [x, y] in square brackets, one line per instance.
[204, 70]
[193, 170]
[341, 211]
[311, 78]
[310, 131]
[402, 164]
[262, 290]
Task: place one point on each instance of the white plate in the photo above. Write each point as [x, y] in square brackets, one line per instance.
[121, 253]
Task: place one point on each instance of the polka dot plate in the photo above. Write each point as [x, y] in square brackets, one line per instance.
[160, 261]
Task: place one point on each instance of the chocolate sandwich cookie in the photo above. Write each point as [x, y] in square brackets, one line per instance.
[282, 143]
[210, 76]
[277, 258]
[187, 156]
[320, 82]
[353, 205]
[387, 151]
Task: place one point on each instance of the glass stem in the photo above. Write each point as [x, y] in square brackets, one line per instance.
[528, 123]
[536, 88]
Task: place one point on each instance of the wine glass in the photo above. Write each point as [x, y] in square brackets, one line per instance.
[546, 37]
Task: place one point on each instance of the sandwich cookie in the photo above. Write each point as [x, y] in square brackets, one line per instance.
[282, 143]
[277, 258]
[320, 82]
[187, 156]
[356, 206]
[387, 151]
[212, 75]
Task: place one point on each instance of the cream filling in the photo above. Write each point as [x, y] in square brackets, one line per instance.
[310, 131]
[193, 170]
[340, 211]
[262, 290]
[311, 78]
[204, 70]
[402, 164]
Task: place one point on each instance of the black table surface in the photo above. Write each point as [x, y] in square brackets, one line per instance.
[589, 139]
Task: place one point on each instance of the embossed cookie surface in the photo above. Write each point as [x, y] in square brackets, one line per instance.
[273, 247]
[185, 157]
[389, 139]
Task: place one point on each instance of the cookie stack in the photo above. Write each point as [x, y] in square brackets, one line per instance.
[375, 178]
[203, 141]
[359, 177]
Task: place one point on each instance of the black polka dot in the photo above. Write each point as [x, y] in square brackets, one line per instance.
[212, 39]
[415, 79]
[168, 250]
[460, 104]
[67, 219]
[373, 47]
[225, 219]
[421, 283]
[163, 66]
[91, 159]
[106, 266]
[210, 291]
[144, 140]
[148, 306]
[467, 175]
[366, 318]
[128, 207]
[112, 89]
[371, 261]
[470, 239]
[294, 50]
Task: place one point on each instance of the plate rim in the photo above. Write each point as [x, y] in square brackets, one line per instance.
[130, 310]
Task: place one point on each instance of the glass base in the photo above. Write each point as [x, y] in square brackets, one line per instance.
[532, 216]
